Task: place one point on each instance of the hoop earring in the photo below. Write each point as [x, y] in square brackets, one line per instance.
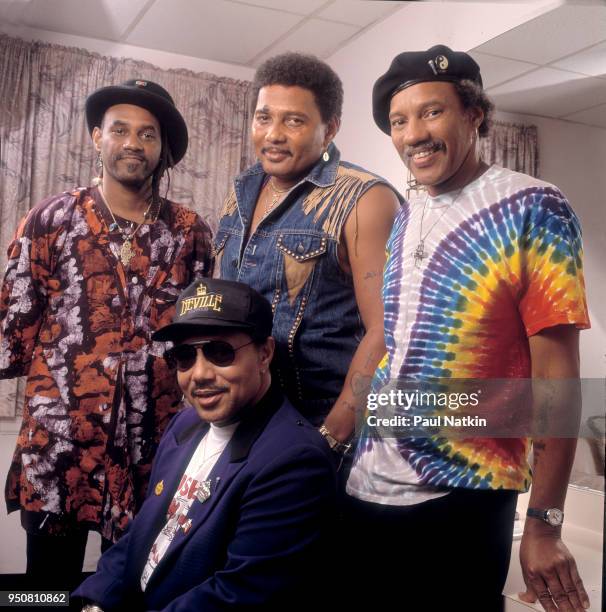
[326, 156]
[478, 146]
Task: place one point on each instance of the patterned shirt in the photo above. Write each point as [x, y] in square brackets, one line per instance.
[78, 323]
[503, 261]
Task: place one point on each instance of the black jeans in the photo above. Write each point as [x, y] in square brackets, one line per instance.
[55, 562]
[450, 553]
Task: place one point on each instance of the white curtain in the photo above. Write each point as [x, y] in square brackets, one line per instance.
[512, 146]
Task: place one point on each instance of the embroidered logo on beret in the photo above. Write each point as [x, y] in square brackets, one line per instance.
[141, 83]
[442, 63]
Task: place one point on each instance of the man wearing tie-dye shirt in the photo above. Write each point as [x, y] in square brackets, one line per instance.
[483, 282]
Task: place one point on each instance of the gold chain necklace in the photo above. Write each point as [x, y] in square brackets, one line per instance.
[277, 196]
[128, 233]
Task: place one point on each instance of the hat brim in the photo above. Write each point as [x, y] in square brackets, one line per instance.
[175, 332]
[171, 120]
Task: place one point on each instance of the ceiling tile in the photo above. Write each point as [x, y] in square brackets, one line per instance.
[321, 38]
[358, 12]
[561, 32]
[300, 7]
[591, 61]
[592, 116]
[496, 70]
[106, 19]
[211, 29]
[549, 92]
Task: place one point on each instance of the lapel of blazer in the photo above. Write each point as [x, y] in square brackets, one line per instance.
[230, 462]
[152, 517]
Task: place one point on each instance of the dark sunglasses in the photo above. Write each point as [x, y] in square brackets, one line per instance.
[218, 352]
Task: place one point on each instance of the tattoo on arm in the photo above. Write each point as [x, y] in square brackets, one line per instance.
[537, 449]
[351, 407]
[371, 274]
[360, 383]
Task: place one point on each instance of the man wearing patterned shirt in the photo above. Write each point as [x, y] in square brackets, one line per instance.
[483, 281]
[92, 273]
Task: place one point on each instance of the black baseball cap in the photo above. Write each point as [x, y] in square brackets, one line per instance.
[212, 304]
[440, 63]
[148, 95]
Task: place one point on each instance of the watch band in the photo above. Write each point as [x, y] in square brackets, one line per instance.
[335, 445]
[551, 516]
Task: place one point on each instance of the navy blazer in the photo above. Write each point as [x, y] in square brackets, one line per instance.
[252, 543]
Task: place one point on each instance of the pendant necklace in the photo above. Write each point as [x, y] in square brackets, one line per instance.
[420, 253]
[127, 232]
[278, 196]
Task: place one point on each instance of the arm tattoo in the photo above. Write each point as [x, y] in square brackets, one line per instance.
[537, 449]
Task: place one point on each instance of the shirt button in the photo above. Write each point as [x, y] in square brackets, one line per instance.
[300, 248]
[135, 280]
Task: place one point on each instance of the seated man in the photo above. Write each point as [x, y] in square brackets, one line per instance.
[242, 486]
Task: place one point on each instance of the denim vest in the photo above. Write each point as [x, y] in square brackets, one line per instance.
[292, 260]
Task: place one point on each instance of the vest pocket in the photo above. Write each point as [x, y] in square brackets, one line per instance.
[300, 254]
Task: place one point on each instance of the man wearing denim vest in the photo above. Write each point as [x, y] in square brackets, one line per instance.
[308, 231]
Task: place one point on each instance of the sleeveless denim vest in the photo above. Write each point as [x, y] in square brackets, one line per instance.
[291, 259]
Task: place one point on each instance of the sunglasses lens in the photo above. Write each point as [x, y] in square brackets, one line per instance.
[218, 352]
[183, 356]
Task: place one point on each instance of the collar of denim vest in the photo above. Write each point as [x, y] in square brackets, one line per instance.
[322, 174]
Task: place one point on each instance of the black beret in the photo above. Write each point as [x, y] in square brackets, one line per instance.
[439, 63]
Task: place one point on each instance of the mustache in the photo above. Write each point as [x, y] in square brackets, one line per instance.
[130, 156]
[208, 389]
[429, 146]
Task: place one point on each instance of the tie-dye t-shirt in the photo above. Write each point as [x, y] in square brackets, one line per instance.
[503, 261]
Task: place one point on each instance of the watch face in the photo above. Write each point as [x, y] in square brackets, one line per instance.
[554, 516]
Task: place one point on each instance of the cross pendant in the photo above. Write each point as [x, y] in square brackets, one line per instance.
[420, 254]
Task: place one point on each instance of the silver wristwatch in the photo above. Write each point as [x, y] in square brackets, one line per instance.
[552, 516]
[335, 445]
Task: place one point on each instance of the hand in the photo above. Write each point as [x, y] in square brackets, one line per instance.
[550, 572]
